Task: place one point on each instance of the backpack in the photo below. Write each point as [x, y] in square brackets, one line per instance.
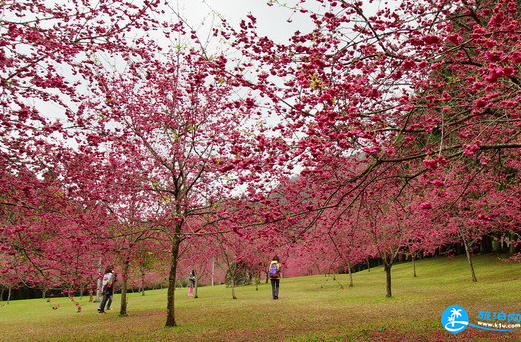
[274, 270]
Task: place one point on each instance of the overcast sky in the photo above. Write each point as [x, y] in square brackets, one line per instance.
[271, 20]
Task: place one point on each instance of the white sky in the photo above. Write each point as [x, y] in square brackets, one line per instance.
[271, 20]
[202, 16]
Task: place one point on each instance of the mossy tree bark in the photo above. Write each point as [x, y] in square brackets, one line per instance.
[388, 285]
[174, 257]
[124, 288]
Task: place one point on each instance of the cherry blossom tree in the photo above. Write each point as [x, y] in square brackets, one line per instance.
[379, 132]
[419, 89]
[47, 55]
[177, 128]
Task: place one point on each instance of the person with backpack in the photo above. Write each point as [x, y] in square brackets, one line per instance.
[274, 274]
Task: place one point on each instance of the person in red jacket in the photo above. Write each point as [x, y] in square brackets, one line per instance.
[274, 274]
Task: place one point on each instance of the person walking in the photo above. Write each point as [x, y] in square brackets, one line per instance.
[109, 301]
[107, 289]
[274, 272]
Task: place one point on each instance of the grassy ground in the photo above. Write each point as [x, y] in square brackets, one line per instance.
[314, 308]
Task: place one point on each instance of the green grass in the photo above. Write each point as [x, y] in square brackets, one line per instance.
[312, 308]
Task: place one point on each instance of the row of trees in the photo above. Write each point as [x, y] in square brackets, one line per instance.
[376, 134]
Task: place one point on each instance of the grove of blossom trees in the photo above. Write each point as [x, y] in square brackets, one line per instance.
[388, 130]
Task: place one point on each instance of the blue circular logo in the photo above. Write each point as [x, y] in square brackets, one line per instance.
[455, 319]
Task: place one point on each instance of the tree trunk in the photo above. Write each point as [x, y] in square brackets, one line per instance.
[233, 287]
[350, 273]
[170, 310]
[387, 267]
[257, 281]
[213, 270]
[469, 258]
[195, 287]
[8, 295]
[98, 282]
[124, 286]
[414, 266]
[142, 282]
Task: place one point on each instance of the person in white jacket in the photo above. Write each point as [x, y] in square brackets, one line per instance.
[107, 288]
